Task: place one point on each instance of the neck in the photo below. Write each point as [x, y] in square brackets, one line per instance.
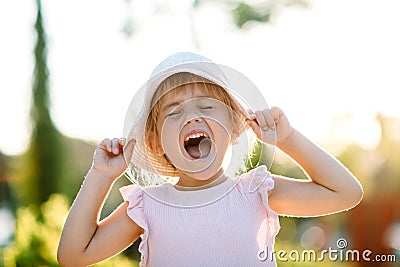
[191, 183]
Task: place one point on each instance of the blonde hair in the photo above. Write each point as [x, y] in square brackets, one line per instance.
[172, 84]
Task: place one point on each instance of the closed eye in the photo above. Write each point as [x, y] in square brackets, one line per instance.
[206, 107]
[173, 113]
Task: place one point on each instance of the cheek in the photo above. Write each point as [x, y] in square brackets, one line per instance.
[222, 123]
[168, 134]
[222, 132]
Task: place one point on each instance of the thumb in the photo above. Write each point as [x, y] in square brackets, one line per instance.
[128, 150]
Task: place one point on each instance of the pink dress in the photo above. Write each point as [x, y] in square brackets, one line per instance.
[229, 224]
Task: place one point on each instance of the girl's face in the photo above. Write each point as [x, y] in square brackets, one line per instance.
[195, 131]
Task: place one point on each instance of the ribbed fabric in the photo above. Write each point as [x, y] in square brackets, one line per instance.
[229, 224]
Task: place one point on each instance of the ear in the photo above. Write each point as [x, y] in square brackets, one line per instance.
[154, 144]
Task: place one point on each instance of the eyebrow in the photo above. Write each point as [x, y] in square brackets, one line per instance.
[177, 103]
[170, 105]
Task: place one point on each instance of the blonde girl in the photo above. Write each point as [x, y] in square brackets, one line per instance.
[190, 118]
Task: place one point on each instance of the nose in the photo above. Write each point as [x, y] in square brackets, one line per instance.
[194, 120]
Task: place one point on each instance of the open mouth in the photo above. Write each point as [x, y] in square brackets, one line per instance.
[197, 144]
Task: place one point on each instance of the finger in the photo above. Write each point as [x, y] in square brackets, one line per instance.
[122, 141]
[251, 115]
[268, 118]
[276, 114]
[115, 146]
[128, 150]
[106, 144]
[261, 120]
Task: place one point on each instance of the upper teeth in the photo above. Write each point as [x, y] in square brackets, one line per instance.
[195, 135]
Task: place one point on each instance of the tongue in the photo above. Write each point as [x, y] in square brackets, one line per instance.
[201, 150]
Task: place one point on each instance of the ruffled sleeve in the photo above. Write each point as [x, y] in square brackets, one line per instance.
[134, 195]
[260, 179]
[266, 185]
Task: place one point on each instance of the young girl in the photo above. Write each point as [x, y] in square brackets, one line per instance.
[190, 119]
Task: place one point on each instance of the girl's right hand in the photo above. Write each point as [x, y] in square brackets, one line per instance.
[109, 156]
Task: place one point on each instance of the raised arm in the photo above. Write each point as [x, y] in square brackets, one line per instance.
[331, 187]
[85, 240]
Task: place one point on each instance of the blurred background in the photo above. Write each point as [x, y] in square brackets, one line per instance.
[69, 69]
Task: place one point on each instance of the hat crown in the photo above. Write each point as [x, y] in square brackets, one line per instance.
[179, 59]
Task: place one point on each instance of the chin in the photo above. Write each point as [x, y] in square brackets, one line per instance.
[206, 174]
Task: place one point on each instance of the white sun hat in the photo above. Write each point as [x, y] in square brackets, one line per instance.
[236, 84]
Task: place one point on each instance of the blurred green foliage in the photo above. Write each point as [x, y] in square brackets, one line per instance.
[244, 13]
[260, 11]
[276, 161]
[44, 156]
[53, 163]
[37, 237]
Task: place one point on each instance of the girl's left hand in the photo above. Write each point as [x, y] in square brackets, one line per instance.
[265, 122]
